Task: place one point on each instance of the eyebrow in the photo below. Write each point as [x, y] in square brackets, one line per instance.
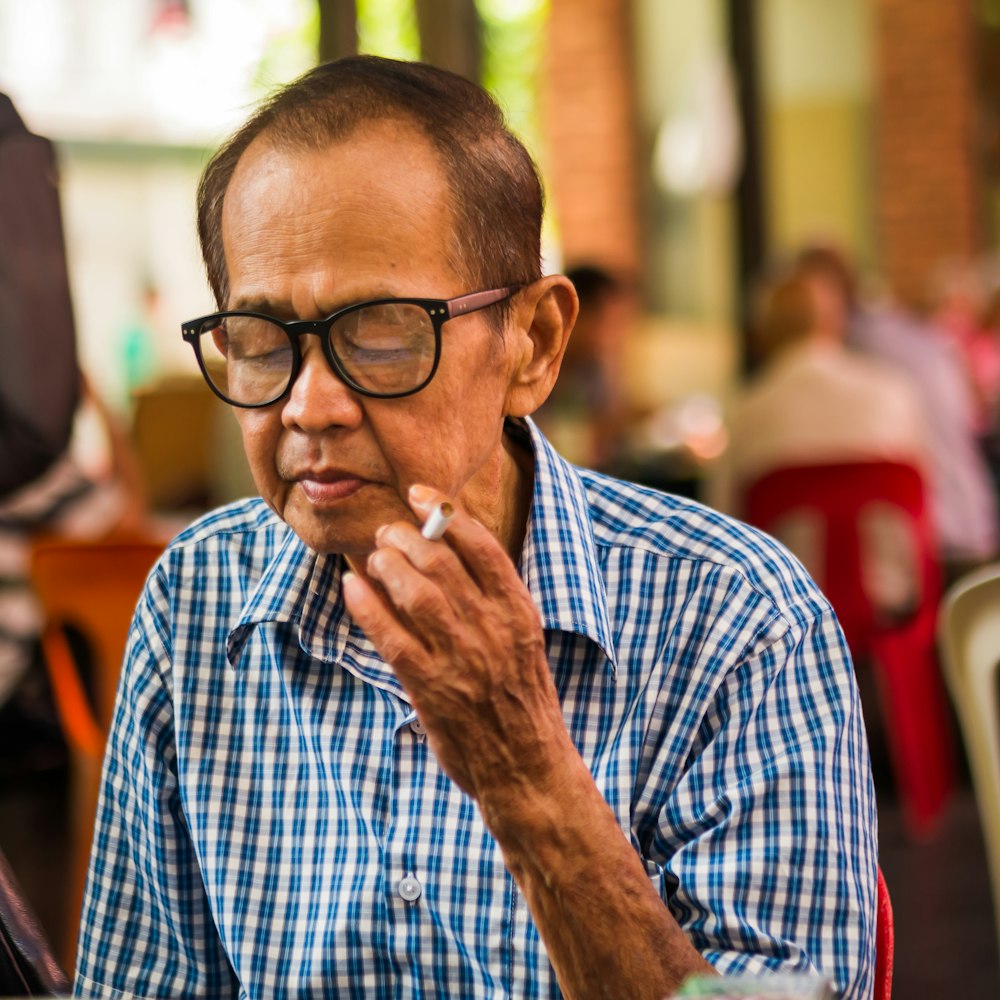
[256, 303]
[263, 304]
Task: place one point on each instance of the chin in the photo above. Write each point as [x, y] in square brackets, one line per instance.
[331, 543]
[320, 535]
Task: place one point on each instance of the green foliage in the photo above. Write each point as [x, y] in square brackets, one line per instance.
[388, 28]
[513, 33]
[513, 42]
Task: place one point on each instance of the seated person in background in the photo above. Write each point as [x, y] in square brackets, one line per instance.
[93, 489]
[962, 499]
[89, 492]
[590, 741]
[44, 485]
[813, 402]
[967, 309]
[963, 309]
[988, 384]
[39, 380]
[585, 415]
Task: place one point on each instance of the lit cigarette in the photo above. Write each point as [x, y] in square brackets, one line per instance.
[437, 524]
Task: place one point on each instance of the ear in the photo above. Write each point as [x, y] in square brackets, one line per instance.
[543, 315]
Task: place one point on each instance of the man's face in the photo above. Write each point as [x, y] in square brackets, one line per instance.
[830, 305]
[306, 233]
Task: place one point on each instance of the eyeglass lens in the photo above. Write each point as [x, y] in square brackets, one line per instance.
[385, 349]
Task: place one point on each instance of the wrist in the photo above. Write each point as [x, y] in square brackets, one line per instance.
[550, 823]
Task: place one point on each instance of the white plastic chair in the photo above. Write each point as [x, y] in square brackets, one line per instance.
[969, 633]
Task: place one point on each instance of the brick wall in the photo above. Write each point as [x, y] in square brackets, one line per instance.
[926, 172]
[588, 119]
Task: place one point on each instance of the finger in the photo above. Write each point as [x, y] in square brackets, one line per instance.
[436, 561]
[417, 601]
[395, 643]
[433, 558]
[482, 555]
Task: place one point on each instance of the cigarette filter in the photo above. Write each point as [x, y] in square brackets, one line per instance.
[437, 523]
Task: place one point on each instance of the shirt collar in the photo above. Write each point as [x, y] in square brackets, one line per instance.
[559, 564]
[278, 595]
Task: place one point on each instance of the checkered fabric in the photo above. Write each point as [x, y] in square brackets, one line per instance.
[273, 823]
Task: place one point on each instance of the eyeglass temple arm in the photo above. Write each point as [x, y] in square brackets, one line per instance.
[478, 300]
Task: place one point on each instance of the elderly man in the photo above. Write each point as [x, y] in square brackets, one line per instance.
[592, 740]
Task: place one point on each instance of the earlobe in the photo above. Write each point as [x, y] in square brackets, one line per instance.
[543, 318]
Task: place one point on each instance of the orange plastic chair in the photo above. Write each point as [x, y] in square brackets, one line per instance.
[913, 700]
[885, 941]
[92, 586]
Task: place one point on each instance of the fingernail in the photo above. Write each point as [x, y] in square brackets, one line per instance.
[379, 532]
[372, 563]
[421, 496]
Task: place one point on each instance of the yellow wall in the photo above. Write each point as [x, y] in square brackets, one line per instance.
[819, 173]
[816, 85]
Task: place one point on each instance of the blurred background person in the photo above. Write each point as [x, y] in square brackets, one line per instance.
[52, 481]
[93, 489]
[586, 416]
[962, 498]
[813, 402]
[984, 356]
[981, 350]
[38, 382]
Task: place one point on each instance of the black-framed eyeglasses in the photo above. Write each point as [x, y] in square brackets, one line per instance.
[383, 348]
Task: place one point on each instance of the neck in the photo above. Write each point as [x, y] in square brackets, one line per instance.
[500, 497]
[520, 487]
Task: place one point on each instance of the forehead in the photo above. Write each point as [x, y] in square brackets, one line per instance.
[378, 200]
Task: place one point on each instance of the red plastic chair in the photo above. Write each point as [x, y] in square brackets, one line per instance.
[885, 937]
[903, 654]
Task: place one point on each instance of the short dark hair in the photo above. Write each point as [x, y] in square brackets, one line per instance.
[784, 314]
[495, 189]
[828, 261]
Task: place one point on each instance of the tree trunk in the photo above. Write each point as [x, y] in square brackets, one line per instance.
[338, 32]
[450, 35]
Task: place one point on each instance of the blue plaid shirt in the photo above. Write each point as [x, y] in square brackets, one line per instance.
[272, 822]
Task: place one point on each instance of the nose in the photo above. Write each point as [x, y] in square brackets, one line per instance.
[318, 398]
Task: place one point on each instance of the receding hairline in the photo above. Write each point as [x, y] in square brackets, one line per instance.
[409, 130]
[397, 130]
[495, 195]
[283, 134]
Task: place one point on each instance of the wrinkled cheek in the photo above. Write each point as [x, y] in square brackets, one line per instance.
[261, 447]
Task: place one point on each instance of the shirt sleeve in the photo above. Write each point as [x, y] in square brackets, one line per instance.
[146, 927]
[766, 847]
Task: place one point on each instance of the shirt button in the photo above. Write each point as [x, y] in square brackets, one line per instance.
[409, 888]
[416, 726]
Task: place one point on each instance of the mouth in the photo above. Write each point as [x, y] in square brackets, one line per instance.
[322, 488]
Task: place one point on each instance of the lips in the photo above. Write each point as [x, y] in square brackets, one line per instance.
[328, 487]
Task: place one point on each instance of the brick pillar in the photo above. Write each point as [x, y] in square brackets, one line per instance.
[589, 120]
[925, 139]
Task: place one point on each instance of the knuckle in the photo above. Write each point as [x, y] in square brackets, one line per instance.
[422, 603]
[436, 559]
[485, 547]
[396, 650]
